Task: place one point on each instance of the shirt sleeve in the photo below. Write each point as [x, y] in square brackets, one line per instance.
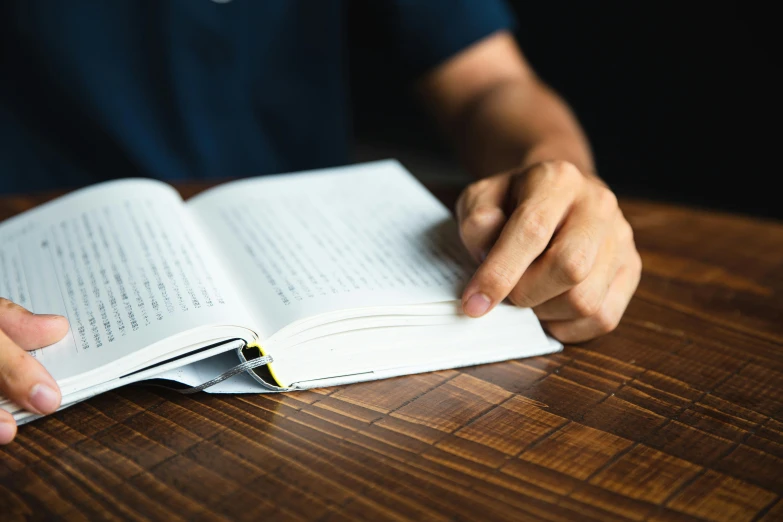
[422, 34]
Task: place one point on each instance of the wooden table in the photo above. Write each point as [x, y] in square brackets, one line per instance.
[678, 415]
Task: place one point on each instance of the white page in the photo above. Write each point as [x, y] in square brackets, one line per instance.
[124, 263]
[309, 243]
[508, 332]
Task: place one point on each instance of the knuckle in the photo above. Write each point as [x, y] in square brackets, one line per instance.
[481, 217]
[626, 232]
[606, 200]
[632, 260]
[540, 173]
[561, 166]
[498, 279]
[534, 228]
[583, 301]
[572, 267]
[637, 261]
[606, 321]
[564, 171]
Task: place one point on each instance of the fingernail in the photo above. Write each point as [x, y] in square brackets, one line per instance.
[477, 305]
[7, 432]
[44, 399]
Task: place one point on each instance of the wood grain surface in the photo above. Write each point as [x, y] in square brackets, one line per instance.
[677, 415]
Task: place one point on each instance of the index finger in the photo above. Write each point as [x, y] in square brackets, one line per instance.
[544, 201]
[24, 380]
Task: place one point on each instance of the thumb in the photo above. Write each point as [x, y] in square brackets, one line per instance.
[480, 214]
[28, 330]
[24, 380]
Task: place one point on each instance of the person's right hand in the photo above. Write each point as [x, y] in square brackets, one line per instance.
[22, 378]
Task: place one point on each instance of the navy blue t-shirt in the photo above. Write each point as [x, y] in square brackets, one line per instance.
[196, 89]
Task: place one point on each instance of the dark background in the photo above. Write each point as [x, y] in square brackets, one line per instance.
[681, 102]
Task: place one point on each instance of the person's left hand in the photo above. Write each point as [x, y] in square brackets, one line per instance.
[554, 239]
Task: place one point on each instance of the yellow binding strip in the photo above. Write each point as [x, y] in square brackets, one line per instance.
[263, 353]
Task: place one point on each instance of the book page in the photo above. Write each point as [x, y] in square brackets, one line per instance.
[123, 262]
[351, 237]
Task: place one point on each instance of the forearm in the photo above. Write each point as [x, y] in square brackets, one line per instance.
[519, 122]
[497, 112]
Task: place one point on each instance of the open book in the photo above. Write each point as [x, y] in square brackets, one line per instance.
[304, 280]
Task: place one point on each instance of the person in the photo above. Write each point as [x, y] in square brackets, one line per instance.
[207, 88]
